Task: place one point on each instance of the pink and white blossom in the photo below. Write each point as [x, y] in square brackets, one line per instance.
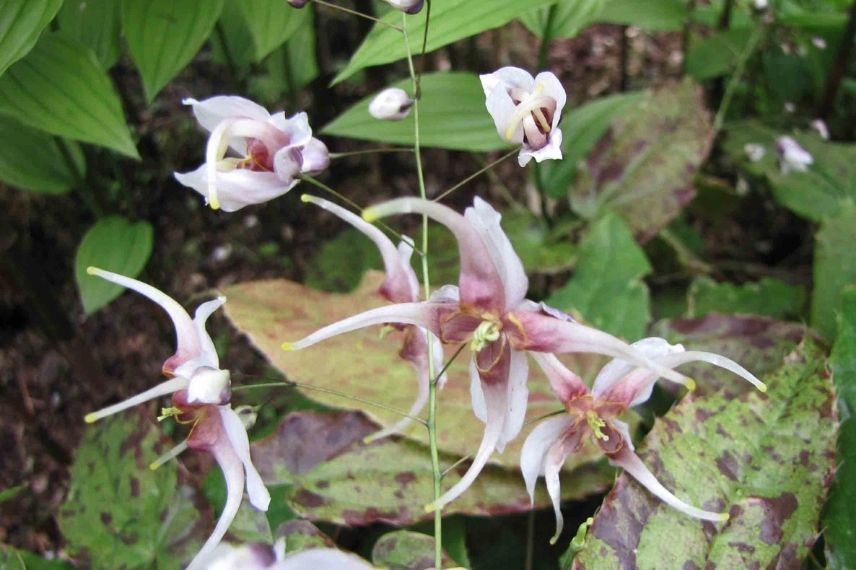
[272, 152]
[592, 415]
[819, 125]
[526, 111]
[489, 312]
[391, 104]
[792, 156]
[263, 557]
[201, 393]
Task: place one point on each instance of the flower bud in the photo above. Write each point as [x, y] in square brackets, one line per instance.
[391, 104]
[793, 156]
[297, 3]
[407, 6]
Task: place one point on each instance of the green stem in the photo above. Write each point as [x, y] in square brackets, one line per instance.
[417, 90]
[357, 14]
[79, 181]
[475, 174]
[432, 387]
[368, 151]
[736, 78]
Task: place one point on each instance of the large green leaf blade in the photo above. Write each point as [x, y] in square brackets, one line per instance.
[21, 23]
[652, 15]
[569, 17]
[271, 23]
[95, 24]
[451, 20]
[834, 268]
[114, 244]
[164, 35]
[607, 289]
[452, 115]
[60, 88]
[769, 297]
[766, 459]
[32, 160]
[718, 54]
[840, 517]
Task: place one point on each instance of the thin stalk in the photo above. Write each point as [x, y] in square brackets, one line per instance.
[543, 53]
[368, 151]
[417, 90]
[358, 14]
[79, 181]
[475, 174]
[839, 66]
[432, 387]
[290, 384]
[736, 78]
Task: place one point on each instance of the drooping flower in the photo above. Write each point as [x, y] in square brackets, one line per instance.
[263, 557]
[399, 286]
[391, 104]
[526, 111]
[593, 415]
[793, 157]
[488, 311]
[407, 6]
[201, 393]
[754, 151]
[819, 125]
[273, 151]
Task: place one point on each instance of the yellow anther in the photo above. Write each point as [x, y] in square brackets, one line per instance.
[596, 424]
[370, 215]
[170, 412]
[486, 333]
[90, 418]
[288, 346]
[385, 330]
[762, 387]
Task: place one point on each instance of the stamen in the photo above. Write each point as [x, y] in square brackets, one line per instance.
[542, 120]
[169, 412]
[532, 102]
[486, 333]
[596, 424]
[169, 455]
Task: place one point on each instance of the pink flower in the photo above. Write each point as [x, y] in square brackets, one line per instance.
[200, 396]
[400, 286]
[489, 312]
[273, 152]
[593, 414]
[263, 557]
[793, 157]
[526, 111]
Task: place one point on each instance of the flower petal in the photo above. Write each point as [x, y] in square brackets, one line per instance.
[627, 459]
[316, 157]
[615, 378]
[518, 397]
[208, 352]
[551, 151]
[423, 315]
[296, 128]
[237, 188]
[164, 388]
[553, 89]
[565, 383]
[237, 436]
[213, 110]
[536, 446]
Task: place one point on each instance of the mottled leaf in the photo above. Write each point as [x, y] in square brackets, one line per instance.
[21, 23]
[95, 24]
[271, 23]
[840, 517]
[334, 477]
[606, 289]
[769, 297]
[821, 191]
[302, 535]
[14, 559]
[581, 129]
[451, 20]
[406, 550]
[569, 17]
[164, 35]
[120, 513]
[834, 268]
[114, 244]
[451, 115]
[766, 459]
[61, 88]
[642, 168]
[32, 160]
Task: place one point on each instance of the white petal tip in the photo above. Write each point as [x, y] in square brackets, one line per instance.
[430, 508]
[214, 204]
[288, 346]
[554, 540]
[722, 517]
[306, 198]
[92, 270]
[91, 418]
[690, 384]
[762, 387]
[370, 215]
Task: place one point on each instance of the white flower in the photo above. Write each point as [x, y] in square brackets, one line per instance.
[263, 557]
[391, 104]
[408, 6]
[273, 152]
[754, 152]
[759, 4]
[818, 42]
[792, 155]
[526, 111]
[821, 129]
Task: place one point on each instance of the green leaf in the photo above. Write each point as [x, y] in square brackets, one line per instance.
[120, 512]
[272, 312]
[95, 24]
[840, 517]
[718, 54]
[21, 23]
[652, 15]
[823, 190]
[406, 550]
[452, 115]
[333, 476]
[10, 492]
[290, 67]
[303, 535]
[114, 244]
[341, 262]
[451, 20]
[834, 268]
[607, 289]
[643, 167]
[271, 23]
[164, 35]
[766, 459]
[232, 44]
[60, 88]
[32, 160]
[582, 127]
[770, 297]
[569, 17]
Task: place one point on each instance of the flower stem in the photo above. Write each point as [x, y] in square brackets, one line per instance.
[432, 387]
[358, 14]
[736, 78]
[368, 151]
[475, 174]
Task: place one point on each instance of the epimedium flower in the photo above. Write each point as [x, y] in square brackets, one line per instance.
[489, 312]
[592, 415]
[793, 157]
[263, 557]
[526, 111]
[407, 6]
[400, 285]
[391, 104]
[200, 397]
[273, 151]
